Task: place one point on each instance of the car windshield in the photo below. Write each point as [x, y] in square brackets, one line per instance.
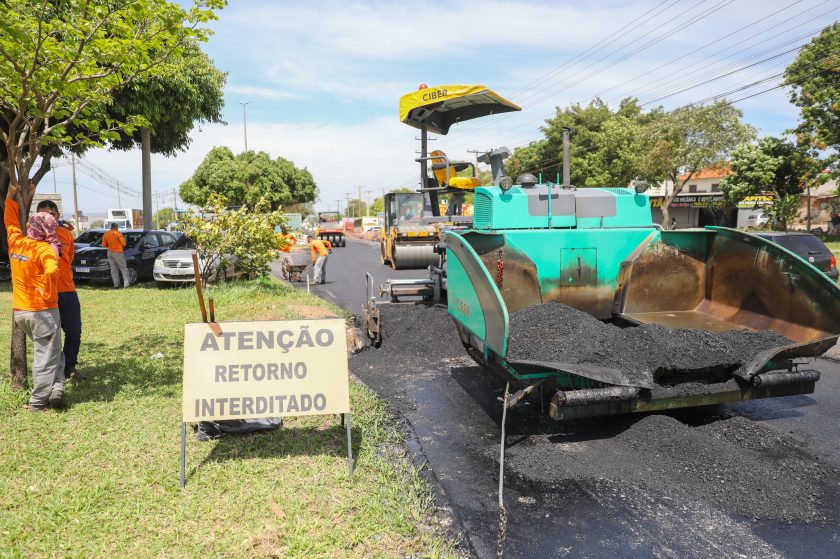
[88, 236]
[183, 243]
[131, 239]
[803, 244]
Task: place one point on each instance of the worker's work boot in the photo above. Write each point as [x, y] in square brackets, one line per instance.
[57, 398]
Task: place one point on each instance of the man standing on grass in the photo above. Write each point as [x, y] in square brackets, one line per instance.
[320, 252]
[34, 262]
[68, 299]
[114, 241]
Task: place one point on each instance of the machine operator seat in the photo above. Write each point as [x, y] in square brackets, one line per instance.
[446, 173]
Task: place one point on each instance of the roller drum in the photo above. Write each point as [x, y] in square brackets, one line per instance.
[408, 256]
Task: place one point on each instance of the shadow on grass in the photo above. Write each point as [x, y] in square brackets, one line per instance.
[288, 441]
[132, 366]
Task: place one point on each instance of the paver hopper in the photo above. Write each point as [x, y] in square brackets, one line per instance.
[597, 250]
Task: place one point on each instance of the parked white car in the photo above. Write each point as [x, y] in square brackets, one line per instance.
[758, 219]
[176, 265]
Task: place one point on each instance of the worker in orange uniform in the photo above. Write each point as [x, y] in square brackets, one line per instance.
[114, 241]
[287, 240]
[320, 252]
[68, 299]
[34, 262]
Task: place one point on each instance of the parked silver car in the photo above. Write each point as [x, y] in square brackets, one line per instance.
[176, 265]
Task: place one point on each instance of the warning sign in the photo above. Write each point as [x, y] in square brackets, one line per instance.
[248, 370]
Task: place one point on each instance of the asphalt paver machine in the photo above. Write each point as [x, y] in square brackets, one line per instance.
[597, 250]
[413, 227]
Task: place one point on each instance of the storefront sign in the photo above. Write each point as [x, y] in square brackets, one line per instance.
[758, 200]
[691, 201]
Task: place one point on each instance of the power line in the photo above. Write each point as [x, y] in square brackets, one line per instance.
[698, 49]
[680, 26]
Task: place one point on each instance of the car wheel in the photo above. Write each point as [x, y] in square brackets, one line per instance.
[133, 274]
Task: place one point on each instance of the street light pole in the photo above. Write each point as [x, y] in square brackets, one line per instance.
[245, 122]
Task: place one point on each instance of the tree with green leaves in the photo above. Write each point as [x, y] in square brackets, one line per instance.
[244, 236]
[606, 145]
[163, 217]
[686, 140]
[772, 164]
[356, 208]
[783, 211]
[62, 63]
[247, 178]
[815, 80]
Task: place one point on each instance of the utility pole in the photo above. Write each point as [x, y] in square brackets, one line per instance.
[349, 212]
[360, 198]
[75, 195]
[368, 192]
[175, 198]
[245, 122]
[146, 159]
[157, 210]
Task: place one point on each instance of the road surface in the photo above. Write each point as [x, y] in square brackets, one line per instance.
[752, 479]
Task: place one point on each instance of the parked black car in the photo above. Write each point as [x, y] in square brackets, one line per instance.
[5, 269]
[806, 246]
[141, 249]
[88, 237]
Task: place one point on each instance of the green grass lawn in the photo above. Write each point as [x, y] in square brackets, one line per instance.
[101, 478]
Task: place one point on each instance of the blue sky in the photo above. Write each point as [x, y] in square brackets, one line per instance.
[324, 78]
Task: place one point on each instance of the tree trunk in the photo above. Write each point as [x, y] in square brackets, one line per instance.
[666, 214]
[17, 360]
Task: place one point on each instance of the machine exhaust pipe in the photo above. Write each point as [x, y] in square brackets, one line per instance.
[567, 179]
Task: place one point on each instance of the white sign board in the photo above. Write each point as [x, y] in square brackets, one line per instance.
[248, 370]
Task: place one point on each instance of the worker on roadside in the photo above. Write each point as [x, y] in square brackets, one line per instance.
[114, 241]
[320, 252]
[287, 240]
[34, 263]
[68, 299]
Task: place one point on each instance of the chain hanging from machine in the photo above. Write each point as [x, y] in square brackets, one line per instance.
[500, 268]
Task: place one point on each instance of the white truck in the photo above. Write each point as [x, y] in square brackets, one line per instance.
[125, 218]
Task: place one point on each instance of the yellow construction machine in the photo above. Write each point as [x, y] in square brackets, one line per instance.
[413, 225]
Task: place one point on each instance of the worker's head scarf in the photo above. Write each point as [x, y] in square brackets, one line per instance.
[42, 228]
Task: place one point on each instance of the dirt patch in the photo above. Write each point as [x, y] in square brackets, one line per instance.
[308, 311]
[647, 354]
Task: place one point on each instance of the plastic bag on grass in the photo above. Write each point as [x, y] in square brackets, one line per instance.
[210, 430]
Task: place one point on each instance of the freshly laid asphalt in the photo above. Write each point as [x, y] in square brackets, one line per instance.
[752, 479]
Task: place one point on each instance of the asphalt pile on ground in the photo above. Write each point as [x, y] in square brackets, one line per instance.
[733, 463]
[559, 333]
[413, 335]
[698, 475]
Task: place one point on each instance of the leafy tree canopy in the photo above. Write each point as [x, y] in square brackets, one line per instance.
[164, 217]
[189, 91]
[815, 77]
[247, 178]
[64, 61]
[769, 164]
[682, 142]
[605, 149]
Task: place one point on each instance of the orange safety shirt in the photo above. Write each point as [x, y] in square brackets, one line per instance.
[34, 267]
[113, 240]
[319, 248]
[286, 242]
[65, 261]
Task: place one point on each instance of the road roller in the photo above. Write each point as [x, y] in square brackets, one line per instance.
[597, 251]
[414, 223]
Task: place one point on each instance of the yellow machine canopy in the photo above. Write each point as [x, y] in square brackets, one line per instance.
[438, 108]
